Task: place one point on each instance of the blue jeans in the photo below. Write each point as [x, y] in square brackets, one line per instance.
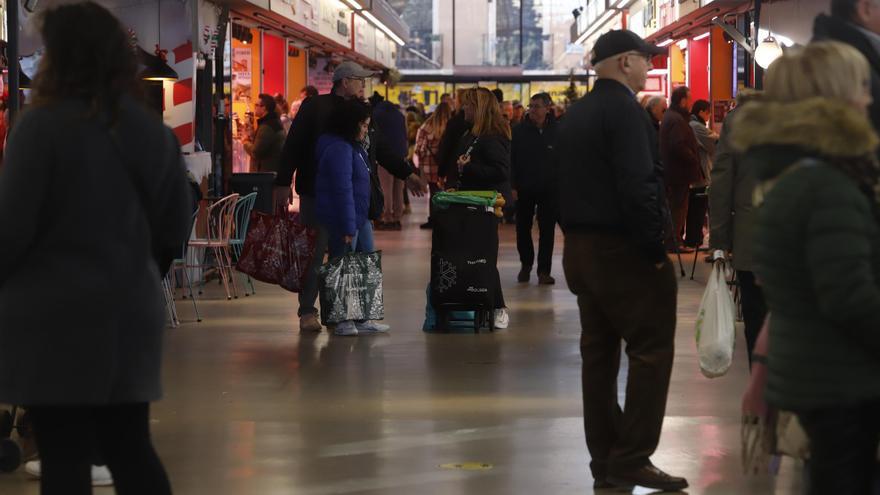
[365, 243]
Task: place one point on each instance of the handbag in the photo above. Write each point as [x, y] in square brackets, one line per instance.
[277, 250]
[351, 287]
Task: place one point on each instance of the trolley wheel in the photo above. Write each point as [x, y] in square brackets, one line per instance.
[7, 421]
[10, 455]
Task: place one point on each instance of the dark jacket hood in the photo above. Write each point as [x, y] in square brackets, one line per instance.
[818, 127]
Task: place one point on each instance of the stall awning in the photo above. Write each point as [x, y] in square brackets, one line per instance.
[699, 20]
[286, 27]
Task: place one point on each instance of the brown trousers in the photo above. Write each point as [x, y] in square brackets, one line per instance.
[622, 297]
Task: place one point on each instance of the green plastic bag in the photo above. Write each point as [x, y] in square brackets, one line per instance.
[473, 198]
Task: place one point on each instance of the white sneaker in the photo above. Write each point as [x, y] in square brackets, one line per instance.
[346, 329]
[502, 319]
[372, 327]
[100, 474]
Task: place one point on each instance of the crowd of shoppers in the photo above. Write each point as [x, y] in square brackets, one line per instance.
[792, 189]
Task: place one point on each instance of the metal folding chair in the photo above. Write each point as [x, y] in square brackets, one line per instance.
[221, 224]
[243, 209]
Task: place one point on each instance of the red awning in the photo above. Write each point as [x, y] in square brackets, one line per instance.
[696, 22]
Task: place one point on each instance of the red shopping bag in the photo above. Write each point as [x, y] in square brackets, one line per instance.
[277, 249]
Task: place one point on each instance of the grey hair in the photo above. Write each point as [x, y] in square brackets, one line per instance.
[654, 101]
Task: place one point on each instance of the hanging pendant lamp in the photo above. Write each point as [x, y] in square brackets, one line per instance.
[155, 67]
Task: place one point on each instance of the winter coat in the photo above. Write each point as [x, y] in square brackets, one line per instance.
[817, 249]
[679, 150]
[826, 27]
[706, 142]
[343, 185]
[312, 120]
[731, 209]
[388, 119]
[533, 157]
[609, 171]
[447, 153]
[87, 216]
[265, 151]
[489, 168]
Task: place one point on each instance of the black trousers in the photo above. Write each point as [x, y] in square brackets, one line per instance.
[622, 297]
[754, 308]
[65, 437]
[698, 205]
[843, 448]
[545, 206]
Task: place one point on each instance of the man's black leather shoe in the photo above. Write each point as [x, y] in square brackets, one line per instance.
[647, 476]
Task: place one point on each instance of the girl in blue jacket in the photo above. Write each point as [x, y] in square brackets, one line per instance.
[342, 191]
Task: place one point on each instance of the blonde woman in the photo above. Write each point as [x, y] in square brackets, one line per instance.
[428, 147]
[484, 161]
[817, 254]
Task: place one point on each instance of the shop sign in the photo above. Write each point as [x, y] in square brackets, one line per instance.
[364, 37]
[335, 21]
[302, 12]
[667, 13]
[321, 76]
[383, 49]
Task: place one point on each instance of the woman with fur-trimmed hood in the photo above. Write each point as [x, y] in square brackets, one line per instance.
[817, 254]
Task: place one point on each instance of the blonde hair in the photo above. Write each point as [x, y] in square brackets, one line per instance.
[438, 120]
[827, 69]
[487, 113]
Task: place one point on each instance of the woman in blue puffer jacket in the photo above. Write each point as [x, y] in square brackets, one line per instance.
[343, 191]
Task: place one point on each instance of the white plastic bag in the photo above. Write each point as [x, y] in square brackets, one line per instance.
[716, 324]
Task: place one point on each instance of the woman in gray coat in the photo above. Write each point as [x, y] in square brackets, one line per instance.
[93, 207]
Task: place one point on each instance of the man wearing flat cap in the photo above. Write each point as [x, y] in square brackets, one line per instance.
[614, 217]
[298, 156]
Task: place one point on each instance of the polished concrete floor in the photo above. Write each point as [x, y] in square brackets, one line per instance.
[253, 407]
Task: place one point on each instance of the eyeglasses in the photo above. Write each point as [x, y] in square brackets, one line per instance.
[359, 79]
[259, 105]
[533, 106]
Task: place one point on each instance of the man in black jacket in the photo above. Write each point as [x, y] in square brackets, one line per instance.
[613, 215]
[298, 156]
[856, 23]
[447, 151]
[533, 176]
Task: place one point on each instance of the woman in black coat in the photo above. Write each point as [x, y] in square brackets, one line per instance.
[94, 205]
[483, 163]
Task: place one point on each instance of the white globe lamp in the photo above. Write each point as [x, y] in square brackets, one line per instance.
[768, 51]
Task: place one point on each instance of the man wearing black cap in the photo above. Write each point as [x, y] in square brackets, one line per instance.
[613, 215]
[298, 156]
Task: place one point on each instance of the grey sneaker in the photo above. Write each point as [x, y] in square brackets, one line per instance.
[372, 327]
[346, 329]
